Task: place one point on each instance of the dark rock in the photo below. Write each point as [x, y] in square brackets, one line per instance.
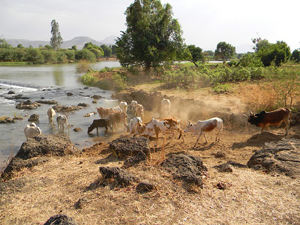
[144, 187]
[77, 129]
[141, 156]
[282, 157]
[84, 105]
[226, 167]
[34, 117]
[69, 94]
[122, 177]
[11, 92]
[185, 167]
[28, 105]
[125, 147]
[40, 146]
[48, 102]
[80, 203]
[60, 219]
[60, 108]
[220, 155]
[6, 119]
[96, 97]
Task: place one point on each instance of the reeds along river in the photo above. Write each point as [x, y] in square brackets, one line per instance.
[48, 82]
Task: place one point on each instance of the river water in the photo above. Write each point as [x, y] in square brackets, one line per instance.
[48, 82]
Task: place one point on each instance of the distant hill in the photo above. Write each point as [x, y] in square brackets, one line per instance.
[78, 41]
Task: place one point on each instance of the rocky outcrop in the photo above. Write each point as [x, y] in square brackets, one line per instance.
[185, 167]
[48, 102]
[37, 150]
[60, 219]
[282, 157]
[128, 147]
[34, 117]
[28, 105]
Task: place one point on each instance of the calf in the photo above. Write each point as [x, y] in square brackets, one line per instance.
[51, 113]
[134, 126]
[116, 118]
[62, 120]
[32, 130]
[117, 109]
[276, 117]
[123, 106]
[99, 123]
[104, 112]
[165, 107]
[204, 127]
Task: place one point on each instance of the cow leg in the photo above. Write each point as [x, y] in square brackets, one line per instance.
[105, 129]
[197, 139]
[205, 138]
[97, 131]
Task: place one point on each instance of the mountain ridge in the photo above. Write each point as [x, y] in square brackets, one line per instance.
[78, 41]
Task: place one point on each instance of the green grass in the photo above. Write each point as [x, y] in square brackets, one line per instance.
[14, 63]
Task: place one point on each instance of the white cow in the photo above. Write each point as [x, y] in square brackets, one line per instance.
[62, 120]
[117, 109]
[32, 130]
[165, 107]
[134, 126]
[123, 106]
[206, 126]
[139, 110]
[51, 114]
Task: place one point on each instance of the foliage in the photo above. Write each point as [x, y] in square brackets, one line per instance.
[107, 50]
[224, 51]
[85, 54]
[221, 88]
[96, 50]
[83, 67]
[196, 54]
[250, 60]
[260, 43]
[296, 56]
[152, 36]
[88, 79]
[278, 53]
[287, 87]
[56, 39]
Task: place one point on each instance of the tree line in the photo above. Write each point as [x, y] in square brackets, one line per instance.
[153, 38]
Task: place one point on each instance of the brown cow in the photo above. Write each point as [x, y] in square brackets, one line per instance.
[104, 112]
[119, 117]
[276, 117]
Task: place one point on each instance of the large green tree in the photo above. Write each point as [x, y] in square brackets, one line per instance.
[152, 36]
[224, 51]
[56, 39]
[275, 53]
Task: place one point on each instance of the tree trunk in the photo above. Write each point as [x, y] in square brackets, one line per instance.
[195, 63]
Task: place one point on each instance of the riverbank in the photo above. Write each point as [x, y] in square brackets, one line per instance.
[241, 196]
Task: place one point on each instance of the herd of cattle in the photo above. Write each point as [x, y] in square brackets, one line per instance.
[111, 117]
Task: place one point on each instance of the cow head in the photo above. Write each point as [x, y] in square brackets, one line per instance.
[189, 127]
[253, 119]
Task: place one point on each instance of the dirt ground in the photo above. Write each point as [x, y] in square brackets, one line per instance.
[68, 185]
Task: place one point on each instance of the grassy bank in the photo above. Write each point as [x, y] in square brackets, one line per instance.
[268, 87]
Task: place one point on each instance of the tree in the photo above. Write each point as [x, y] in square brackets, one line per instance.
[278, 53]
[196, 54]
[107, 50]
[260, 43]
[296, 56]
[56, 39]
[152, 36]
[224, 51]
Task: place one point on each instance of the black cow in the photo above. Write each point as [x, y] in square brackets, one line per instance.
[276, 117]
[99, 123]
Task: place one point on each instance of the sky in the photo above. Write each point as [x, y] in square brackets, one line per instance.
[204, 23]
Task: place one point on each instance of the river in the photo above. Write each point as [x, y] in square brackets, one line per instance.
[48, 82]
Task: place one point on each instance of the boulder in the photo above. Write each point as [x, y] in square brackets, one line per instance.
[28, 105]
[60, 108]
[60, 219]
[128, 147]
[120, 176]
[36, 150]
[34, 117]
[6, 119]
[48, 102]
[281, 157]
[144, 187]
[185, 167]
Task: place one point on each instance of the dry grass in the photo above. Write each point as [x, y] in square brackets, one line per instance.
[68, 185]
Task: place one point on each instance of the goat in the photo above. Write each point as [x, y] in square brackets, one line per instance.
[32, 130]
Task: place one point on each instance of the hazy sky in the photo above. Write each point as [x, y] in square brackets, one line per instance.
[205, 23]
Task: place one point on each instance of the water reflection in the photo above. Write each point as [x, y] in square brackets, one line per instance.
[58, 77]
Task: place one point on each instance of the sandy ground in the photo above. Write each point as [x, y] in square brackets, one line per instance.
[249, 197]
